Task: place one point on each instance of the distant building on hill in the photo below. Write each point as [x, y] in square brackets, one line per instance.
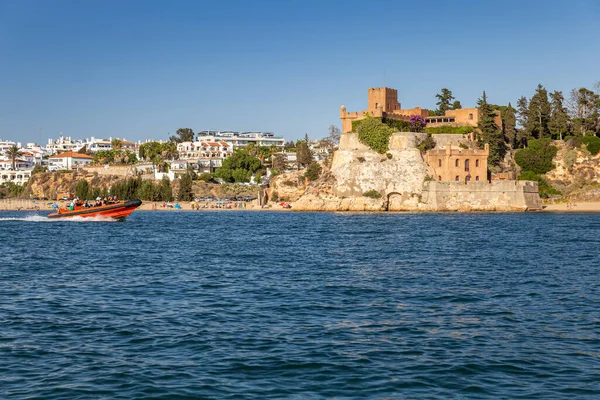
[383, 103]
[68, 160]
[241, 139]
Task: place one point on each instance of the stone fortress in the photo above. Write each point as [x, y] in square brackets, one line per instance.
[453, 176]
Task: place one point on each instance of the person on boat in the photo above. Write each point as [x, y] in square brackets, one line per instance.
[86, 204]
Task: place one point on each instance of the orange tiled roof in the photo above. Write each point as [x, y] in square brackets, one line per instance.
[72, 154]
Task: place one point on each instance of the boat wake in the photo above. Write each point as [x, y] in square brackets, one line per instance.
[41, 218]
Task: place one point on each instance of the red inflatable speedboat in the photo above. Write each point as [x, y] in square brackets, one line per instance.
[118, 210]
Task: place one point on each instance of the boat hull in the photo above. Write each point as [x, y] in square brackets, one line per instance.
[116, 211]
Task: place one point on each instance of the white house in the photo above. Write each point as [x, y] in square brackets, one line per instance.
[69, 160]
[17, 177]
[21, 163]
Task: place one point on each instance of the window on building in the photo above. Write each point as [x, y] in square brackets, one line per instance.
[467, 178]
[440, 162]
[467, 165]
[457, 178]
[477, 163]
[439, 177]
[376, 105]
[457, 163]
[476, 178]
[470, 116]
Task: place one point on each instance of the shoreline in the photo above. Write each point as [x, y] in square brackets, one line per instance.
[30, 205]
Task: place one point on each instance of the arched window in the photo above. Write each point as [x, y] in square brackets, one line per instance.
[457, 163]
[440, 162]
[470, 116]
[477, 163]
[457, 178]
[467, 178]
[467, 165]
[376, 106]
[477, 178]
[439, 177]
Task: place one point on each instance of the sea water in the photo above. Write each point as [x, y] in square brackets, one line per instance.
[236, 305]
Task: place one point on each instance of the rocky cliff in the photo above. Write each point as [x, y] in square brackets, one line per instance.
[50, 184]
[576, 173]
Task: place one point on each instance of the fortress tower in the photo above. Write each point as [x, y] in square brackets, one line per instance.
[383, 98]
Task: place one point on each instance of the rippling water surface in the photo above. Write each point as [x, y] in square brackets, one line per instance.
[235, 305]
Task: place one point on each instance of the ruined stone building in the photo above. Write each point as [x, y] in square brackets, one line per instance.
[458, 164]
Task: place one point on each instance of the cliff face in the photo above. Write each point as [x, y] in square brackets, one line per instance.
[358, 169]
[49, 184]
[576, 173]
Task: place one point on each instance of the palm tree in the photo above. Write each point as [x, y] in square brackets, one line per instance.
[13, 153]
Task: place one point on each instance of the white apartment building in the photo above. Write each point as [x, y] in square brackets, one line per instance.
[207, 155]
[240, 139]
[20, 164]
[63, 144]
[17, 177]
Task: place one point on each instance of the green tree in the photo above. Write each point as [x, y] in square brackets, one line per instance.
[538, 114]
[489, 131]
[313, 171]
[165, 190]
[444, 101]
[82, 189]
[182, 135]
[185, 188]
[456, 105]
[13, 152]
[523, 135]
[116, 144]
[558, 124]
[304, 155]
[289, 146]
[537, 157]
[509, 126]
[280, 163]
[585, 111]
[238, 167]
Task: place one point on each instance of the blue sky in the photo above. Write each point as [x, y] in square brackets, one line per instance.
[142, 69]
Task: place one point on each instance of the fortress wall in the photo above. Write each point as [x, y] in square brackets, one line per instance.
[481, 196]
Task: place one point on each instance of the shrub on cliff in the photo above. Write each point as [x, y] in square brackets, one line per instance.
[544, 187]
[313, 171]
[375, 134]
[426, 144]
[537, 157]
[592, 143]
[372, 194]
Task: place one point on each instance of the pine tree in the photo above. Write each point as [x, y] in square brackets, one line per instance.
[445, 100]
[456, 105]
[509, 123]
[559, 119]
[523, 135]
[489, 131]
[538, 114]
[303, 153]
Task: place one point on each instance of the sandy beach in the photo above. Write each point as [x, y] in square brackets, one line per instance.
[39, 205]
